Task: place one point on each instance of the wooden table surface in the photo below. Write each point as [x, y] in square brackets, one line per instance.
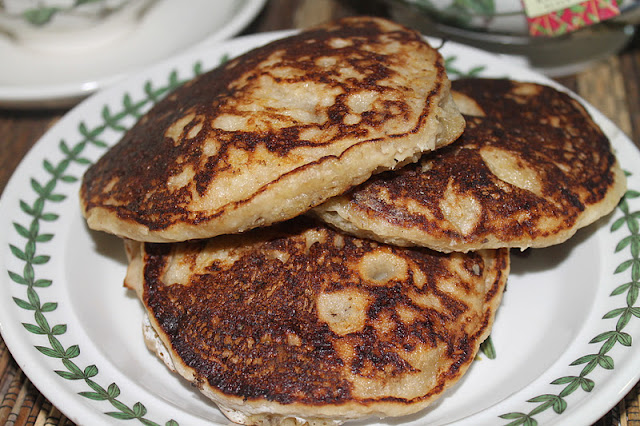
[612, 86]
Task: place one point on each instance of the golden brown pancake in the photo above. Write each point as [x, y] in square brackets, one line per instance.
[299, 321]
[530, 169]
[273, 133]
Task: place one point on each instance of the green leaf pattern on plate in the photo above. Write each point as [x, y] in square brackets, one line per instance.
[608, 339]
[46, 194]
[40, 15]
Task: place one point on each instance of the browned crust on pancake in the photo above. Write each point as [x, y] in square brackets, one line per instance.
[568, 177]
[251, 333]
[127, 192]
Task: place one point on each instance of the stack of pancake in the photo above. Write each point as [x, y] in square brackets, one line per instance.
[315, 233]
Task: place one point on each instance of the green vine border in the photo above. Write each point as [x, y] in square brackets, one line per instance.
[608, 339]
[46, 193]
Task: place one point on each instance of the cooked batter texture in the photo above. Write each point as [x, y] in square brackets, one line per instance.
[300, 322]
[274, 132]
[530, 169]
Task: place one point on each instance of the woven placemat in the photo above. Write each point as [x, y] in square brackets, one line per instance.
[22, 404]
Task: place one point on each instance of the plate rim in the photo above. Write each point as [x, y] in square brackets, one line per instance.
[103, 98]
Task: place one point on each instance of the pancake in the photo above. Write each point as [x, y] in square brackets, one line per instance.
[299, 321]
[530, 169]
[274, 132]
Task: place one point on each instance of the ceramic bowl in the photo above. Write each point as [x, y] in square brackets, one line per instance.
[501, 26]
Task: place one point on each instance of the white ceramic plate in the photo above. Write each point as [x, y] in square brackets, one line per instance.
[35, 78]
[565, 337]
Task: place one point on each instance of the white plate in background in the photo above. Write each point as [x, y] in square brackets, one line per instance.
[32, 78]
